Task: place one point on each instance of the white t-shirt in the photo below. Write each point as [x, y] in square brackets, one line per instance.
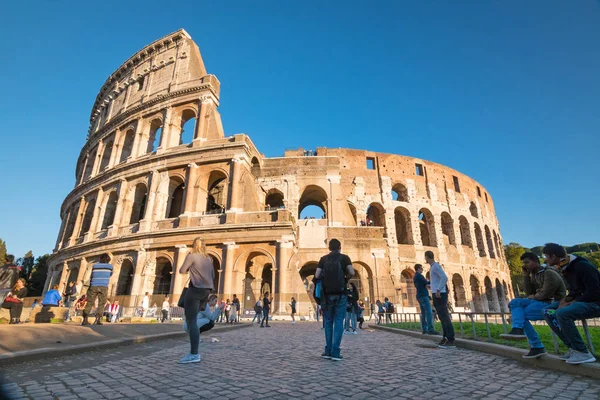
[146, 302]
[165, 305]
[438, 278]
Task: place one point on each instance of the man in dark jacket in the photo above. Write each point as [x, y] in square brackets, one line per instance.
[544, 286]
[421, 284]
[582, 301]
[9, 273]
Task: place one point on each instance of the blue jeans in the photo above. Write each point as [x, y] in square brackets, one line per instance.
[265, 316]
[350, 321]
[426, 314]
[562, 322]
[525, 310]
[334, 311]
[257, 316]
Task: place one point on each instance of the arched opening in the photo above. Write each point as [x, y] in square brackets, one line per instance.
[490, 295]
[89, 163]
[404, 232]
[87, 217]
[478, 305]
[465, 232]
[258, 278]
[313, 203]
[479, 239]
[353, 212]
[427, 228]
[407, 288]
[458, 287]
[217, 194]
[69, 229]
[73, 273]
[448, 229]
[155, 137]
[473, 210]
[307, 273]
[363, 279]
[274, 200]
[255, 166]
[188, 126]
[376, 215]
[497, 242]
[399, 192]
[267, 279]
[490, 243]
[162, 277]
[216, 268]
[139, 203]
[506, 292]
[125, 281]
[501, 296]
[127, 146]
[110, 210]
[175, 202]
[106, 154]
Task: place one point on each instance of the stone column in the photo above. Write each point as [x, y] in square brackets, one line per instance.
[206, 104]
[140, 260]
[284, 249]
[167, 140]
[113, 229]
[98, 160]
[189, 207]
[140, 139]
[178, 279]
[115, 154]
[64, 273]
[97, 217]
[229, 256]
[146, 223]
[234, 190]
[334, 181]
[78, 221]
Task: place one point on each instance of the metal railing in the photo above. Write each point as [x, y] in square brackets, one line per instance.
[471, 318]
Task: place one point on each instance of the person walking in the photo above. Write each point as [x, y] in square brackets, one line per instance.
[257, 311]
[238, 307]
[334, 270]
[14, 301]
[440, 300]
[361, 314]
[266, 308]
[293, 313]
[145, 304]
[351, 310]
[389, 310]
[165, 309]
[421, 284]
[380, 311]
[101, 273]
[201, 270]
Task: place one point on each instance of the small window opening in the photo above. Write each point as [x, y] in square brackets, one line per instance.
[141, 83]
[456, 184]
[478, 191]
[419, 169]
[370, 163]
[486, 198]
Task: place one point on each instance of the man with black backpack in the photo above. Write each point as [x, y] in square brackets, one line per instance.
[389, 310]
[334, 270]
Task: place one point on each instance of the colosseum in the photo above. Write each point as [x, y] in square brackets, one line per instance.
[157, 170]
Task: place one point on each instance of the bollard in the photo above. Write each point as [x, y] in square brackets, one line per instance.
[587, 335]
[462, 332]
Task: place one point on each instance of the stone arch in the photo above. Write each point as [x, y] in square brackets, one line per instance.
[490, 243]
[352, 208]
[497, 243]
[71, 221]
[125, 280]
[140, 197]
[448, 229]
[477, 300]
[307, 273]
[427, 228]
[479, 239]
[376, 215]
[363, 279]
[506, 292]
[155, 136]
[175, 200]
[465, 232]
[501, 296]
[216, 188]
[407, 288]
[106, 154]
[89, 163]
[400, 193]
[458, 288]
[88, 216]
[404, 233]
[187, 131]
[110, 209]
[313, 195]
[162, 275]
[127, 147]
[473, 210]
[274, 199]
[490, 295]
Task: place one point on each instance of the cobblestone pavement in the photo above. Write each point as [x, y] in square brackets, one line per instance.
[284, 362]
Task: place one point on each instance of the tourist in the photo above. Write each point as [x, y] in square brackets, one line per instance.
[201, 270]
[351, 309]
[165, 309]
[14, 301]
[257, 311]
[227, 310]
[145, 304]
[293, 313]
[222, 311]
[440, 300]
[36, 302]
[360, 317]
[106, 312]
[207, 317]
[52, 297]
[421, 283]
[70, 294]
[9, 273]
[544, 287]
[233, 313]
[380, 311]
[238, 307]
[101, 273]
[582, 301]
[334, 270]
[389, 310]
[266, 308]
[113, 313]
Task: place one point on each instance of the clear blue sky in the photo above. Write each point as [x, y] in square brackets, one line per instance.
[506, 92]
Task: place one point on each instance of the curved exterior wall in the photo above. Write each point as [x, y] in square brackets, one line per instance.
[157, 171]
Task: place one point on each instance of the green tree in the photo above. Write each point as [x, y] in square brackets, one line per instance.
[583, 247]
[537, 250]
[26, 263]
[2, 252]
[513, 252]
[37, 279]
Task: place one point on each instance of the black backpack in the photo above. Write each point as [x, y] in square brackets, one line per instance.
[333, 278]
[390, 308]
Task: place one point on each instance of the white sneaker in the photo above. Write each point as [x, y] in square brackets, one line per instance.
[567, 355]
[190, 358]
[355, 333]
[580, 357]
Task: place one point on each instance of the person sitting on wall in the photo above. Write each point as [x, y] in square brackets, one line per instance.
[543, 286]
[52, 298]
[14, 301]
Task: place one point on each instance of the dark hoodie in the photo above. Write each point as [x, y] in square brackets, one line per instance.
[9, 273]
[583, 279]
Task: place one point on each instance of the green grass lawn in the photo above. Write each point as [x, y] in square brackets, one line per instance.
[497, 329]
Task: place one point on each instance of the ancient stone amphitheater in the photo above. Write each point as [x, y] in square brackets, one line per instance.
[157, 170]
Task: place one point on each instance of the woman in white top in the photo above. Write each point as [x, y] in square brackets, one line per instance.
[165, 309]
[201, 270]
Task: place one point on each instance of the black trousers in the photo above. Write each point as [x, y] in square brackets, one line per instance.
[165, 314]
[195, 300]
[15, 309]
